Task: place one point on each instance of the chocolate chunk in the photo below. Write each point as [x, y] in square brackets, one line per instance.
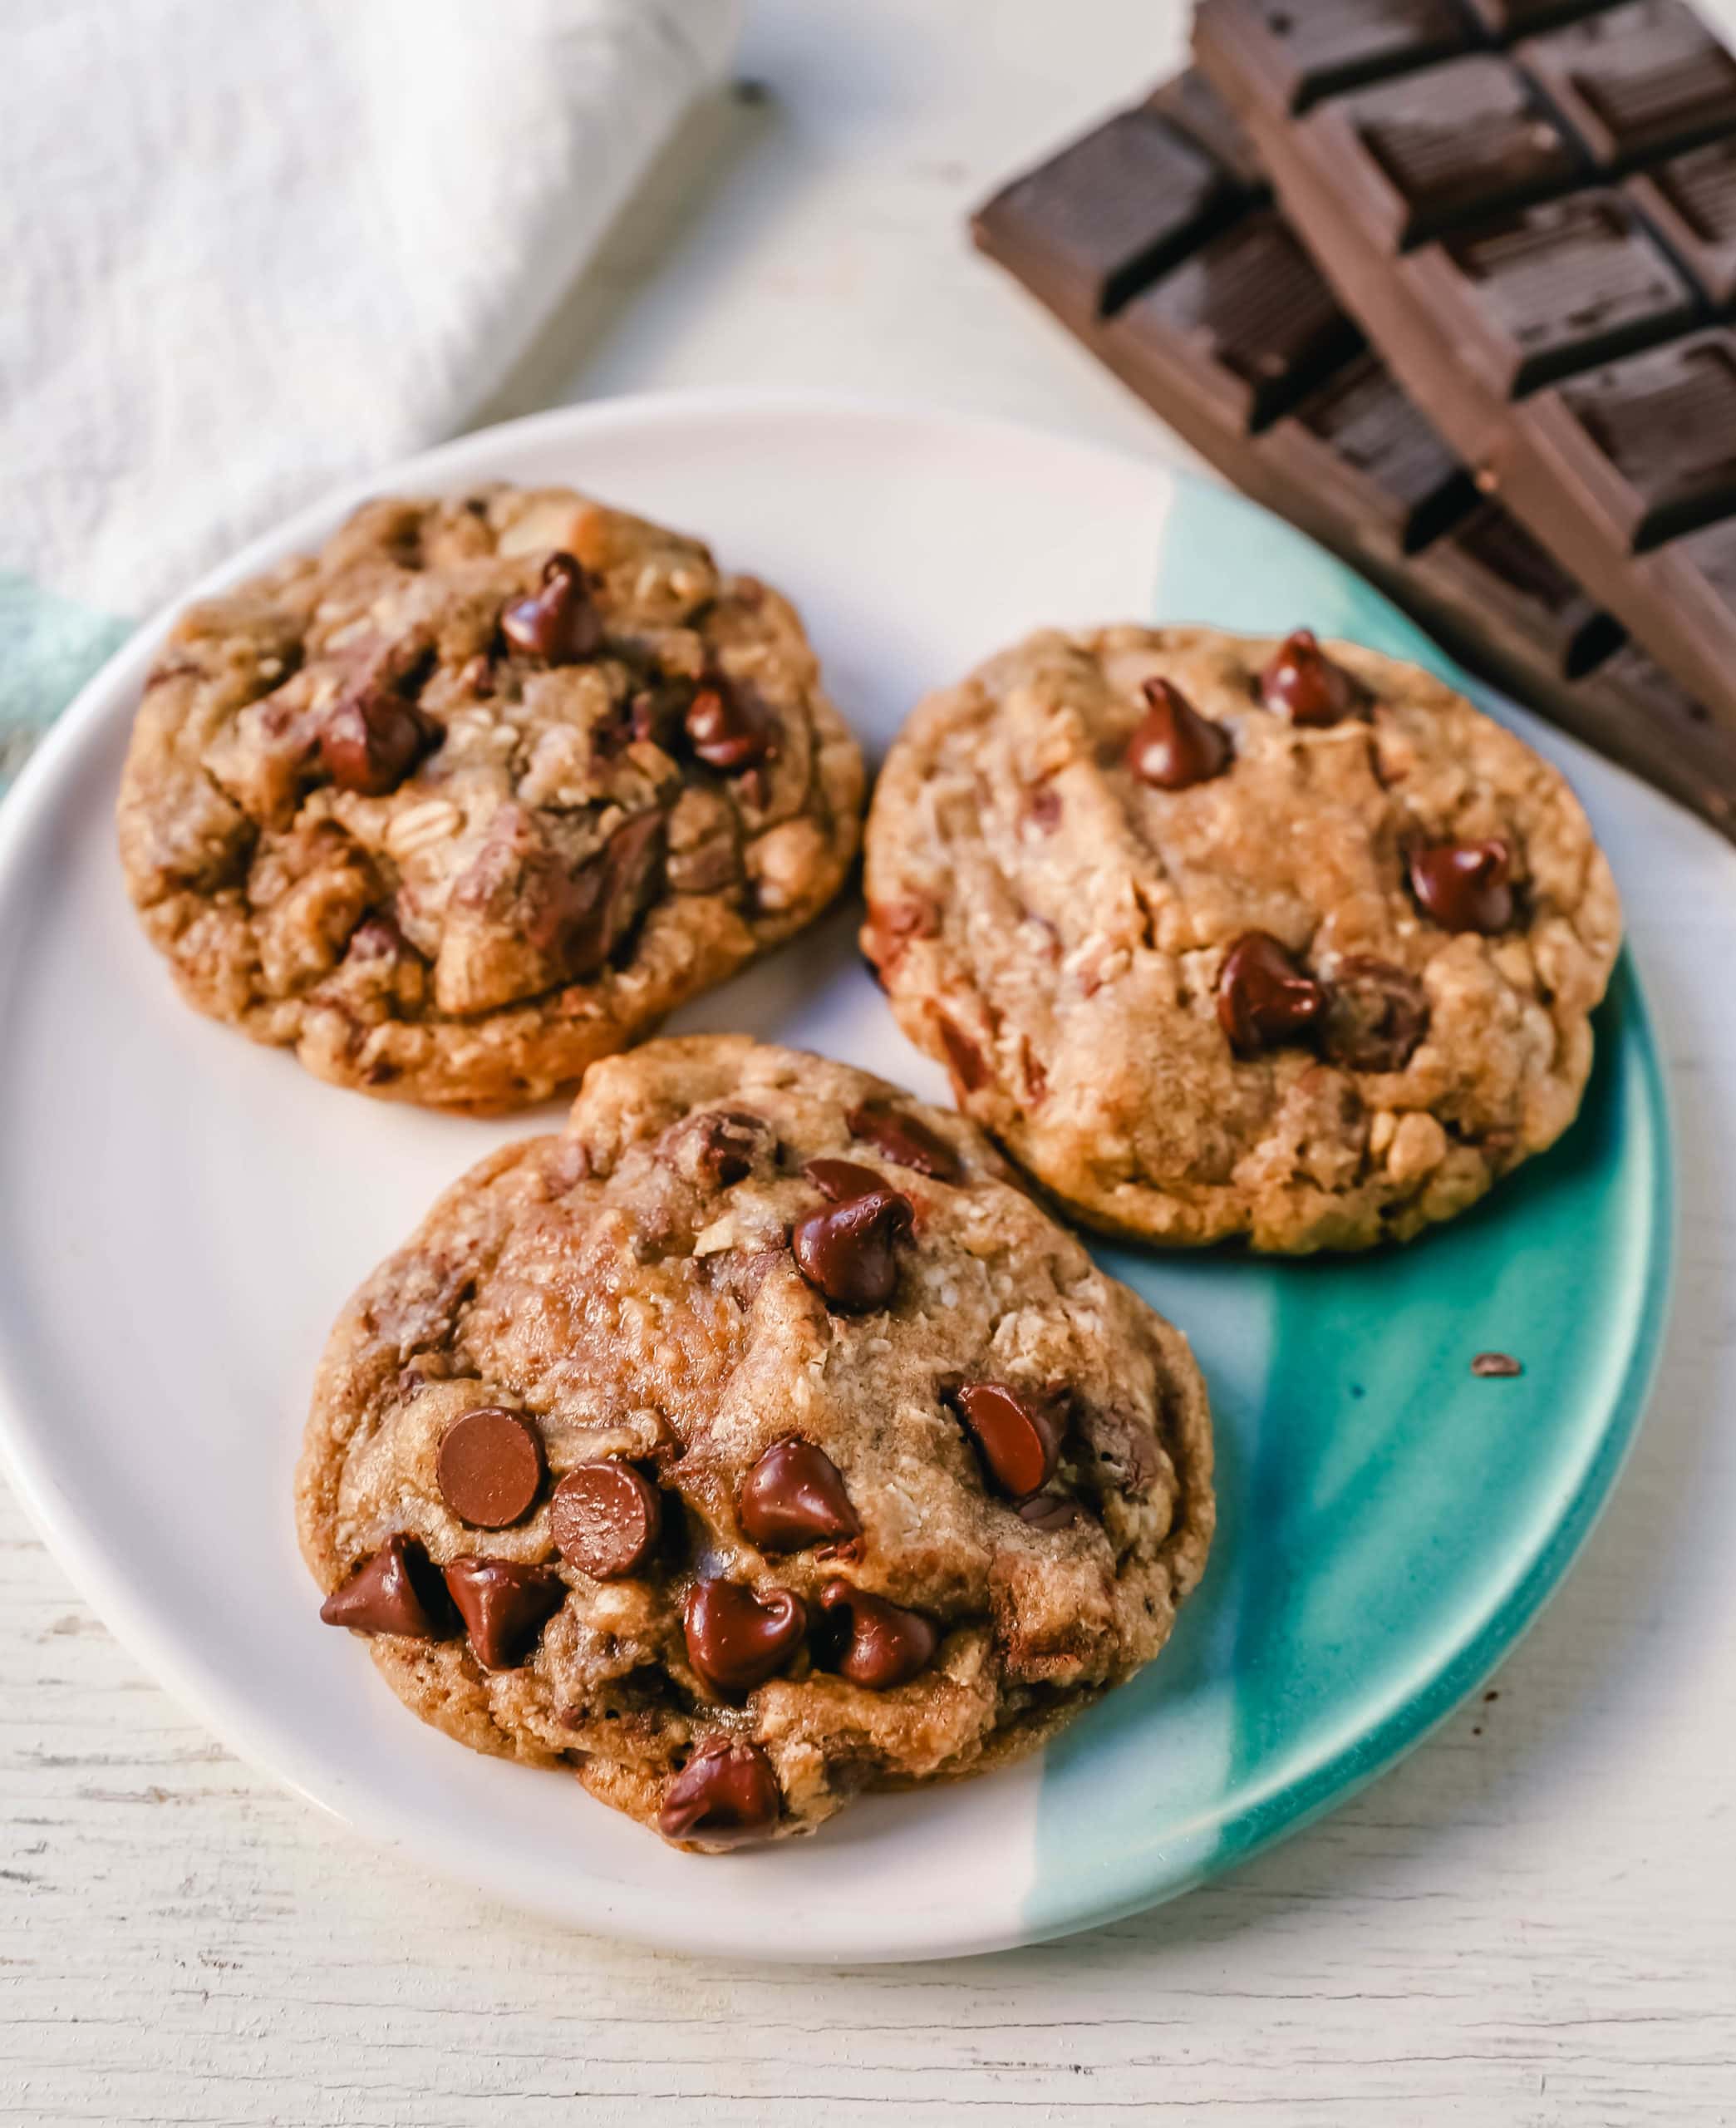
[1050, 1511]
[1175, 746]
[372, 737]
[490, 1466]
[1308, 49]
[969, 1067]
[1125, 1447]
[795, 1497]
[1016, 1432]
[1376, 1015]
[848, 1251]
[397, 1589]
[1463, 885]
[906, 1140]
[886, 1645]
[581, 918]
[606, 1519]
[1497, 1367]
[725, 730]
[1264, 1000]
[721, 1146]
[558, 624]
[505, 1607]
[724, 1795]
[1302, 683]
[735, 1639]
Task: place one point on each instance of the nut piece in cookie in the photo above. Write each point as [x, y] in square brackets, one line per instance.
[481, 791]
[1224, 937]
[612, 1472]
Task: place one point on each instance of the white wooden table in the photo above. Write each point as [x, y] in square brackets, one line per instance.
[1533, 1920]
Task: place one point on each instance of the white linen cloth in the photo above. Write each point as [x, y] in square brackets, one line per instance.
[253, 246]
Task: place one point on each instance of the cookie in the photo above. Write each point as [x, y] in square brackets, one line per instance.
[754, 1441]
[480, 791]
[1223, 936]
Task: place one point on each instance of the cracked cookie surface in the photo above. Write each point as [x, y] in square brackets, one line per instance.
[754, 1441]
[480, 791]
[1221, 936]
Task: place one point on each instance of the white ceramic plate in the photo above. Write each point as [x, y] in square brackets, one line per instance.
[182, 1213]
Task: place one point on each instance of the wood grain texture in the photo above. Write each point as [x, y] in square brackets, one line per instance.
[1532, 1921]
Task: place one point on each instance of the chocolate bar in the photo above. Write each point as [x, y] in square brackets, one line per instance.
[1537, 228]
[1190, 285]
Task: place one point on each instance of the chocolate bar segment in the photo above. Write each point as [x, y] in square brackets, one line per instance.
[1350, 458]
[1565, 348]
[1637, 82]
[1311, 48]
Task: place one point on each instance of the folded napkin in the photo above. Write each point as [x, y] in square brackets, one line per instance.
[254, 250]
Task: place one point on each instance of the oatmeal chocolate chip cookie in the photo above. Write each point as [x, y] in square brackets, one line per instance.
[480, 791]
[1224, 937]
[754, 1441]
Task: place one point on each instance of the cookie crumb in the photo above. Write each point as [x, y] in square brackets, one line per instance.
[1501, 1365]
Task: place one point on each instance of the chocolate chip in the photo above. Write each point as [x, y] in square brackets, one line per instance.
[397, 1589]
[1376, 1015]
[1263, 999]
[1302, 683]
[735, 1639]
[490, 1466]
[1498, 1366]
[725, 1794]
[1043, 806]
[1050, 1511]
[847, 1252]
[606, 1519]
[906, 1140]
[505, 1607]
[842, 1179]
[1176, 746]
[887, 1644]
[1016, 1432]
[725, 731]
[558, 624]
[372, 738]
[795, 1497]
[1464, 886]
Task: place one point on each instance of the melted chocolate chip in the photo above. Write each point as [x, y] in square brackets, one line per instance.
[490, 1466]
[1376, 1016]
[606, 1519]
[887, 1644]
[1175, 746]
[1302, 683]
[505, 1607]
[1015, 1433]
[725, 1794]
[735, 1639]
[579, 920]
[723, 1144]
[1464, 886]
[398, 1589]
[848, 1251]
[1050, 1511]
[967, 1062]
[905, 1140]
[795, 1497]
[372, 738]
[842, 1179]
[1264, 999]
[558, 624]
[725, 732]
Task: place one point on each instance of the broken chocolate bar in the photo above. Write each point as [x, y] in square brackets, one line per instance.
[1234, 337]
[1536, 226]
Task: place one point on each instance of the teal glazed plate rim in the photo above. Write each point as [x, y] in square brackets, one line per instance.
[1389, 1522]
